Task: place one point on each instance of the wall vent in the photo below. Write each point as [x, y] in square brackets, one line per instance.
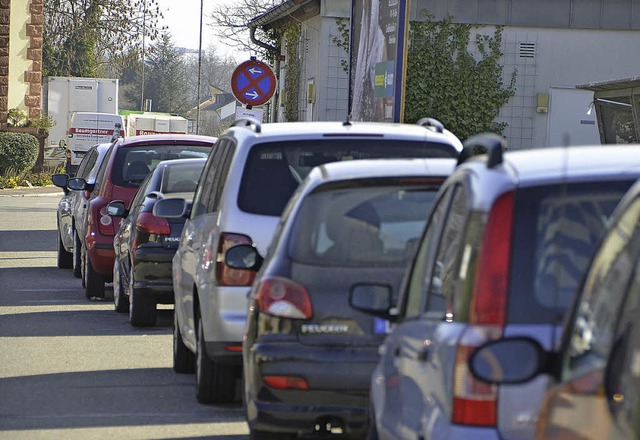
[527, 50]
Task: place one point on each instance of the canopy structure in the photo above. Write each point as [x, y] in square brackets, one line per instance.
[617, 105]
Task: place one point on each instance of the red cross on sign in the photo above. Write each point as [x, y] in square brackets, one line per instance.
[253, 82]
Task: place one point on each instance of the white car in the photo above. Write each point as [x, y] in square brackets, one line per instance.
[251, 173]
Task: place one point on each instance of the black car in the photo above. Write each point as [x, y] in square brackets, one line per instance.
[72, 206]
[349, 231]
[145, 244]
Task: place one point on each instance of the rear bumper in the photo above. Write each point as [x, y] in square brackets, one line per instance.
[152, 272]
[338, 379]
[102, 257]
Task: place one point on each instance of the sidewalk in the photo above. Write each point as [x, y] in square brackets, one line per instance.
[36, 191]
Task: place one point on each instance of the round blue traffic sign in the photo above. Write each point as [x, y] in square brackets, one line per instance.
[253, 82]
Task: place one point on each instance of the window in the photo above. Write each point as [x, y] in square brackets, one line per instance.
[442, 286]
[181, 178]
[416, 277]
[362, 224]
[591, 333]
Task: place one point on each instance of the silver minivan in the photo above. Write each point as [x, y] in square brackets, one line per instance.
[507, 244]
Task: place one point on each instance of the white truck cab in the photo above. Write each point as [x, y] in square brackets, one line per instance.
[87, 129]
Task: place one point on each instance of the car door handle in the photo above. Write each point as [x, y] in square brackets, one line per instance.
[423, 356]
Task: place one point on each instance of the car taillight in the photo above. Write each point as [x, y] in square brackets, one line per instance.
[105, 222]
[283, 297]
[150, 224]
[67, 155]
[286, 382]
[86, 193]
[476, 402]
[225, 275]
[489, 300]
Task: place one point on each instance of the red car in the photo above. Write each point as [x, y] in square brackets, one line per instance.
[124, 168]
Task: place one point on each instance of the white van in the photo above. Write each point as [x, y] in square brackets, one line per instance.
[87, 129]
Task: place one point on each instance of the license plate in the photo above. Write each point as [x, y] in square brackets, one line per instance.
[381, 326]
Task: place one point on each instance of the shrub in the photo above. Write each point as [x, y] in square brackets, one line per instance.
[18, 151]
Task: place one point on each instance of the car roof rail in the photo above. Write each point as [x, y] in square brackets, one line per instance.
[249, 123]
[432, 124]
[484, 143]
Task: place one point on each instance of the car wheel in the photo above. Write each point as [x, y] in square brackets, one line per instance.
[77, 256]
[83, 267]
[94, 282]
[215, 382]
[266, 435]
[142, 309]
[372, 430]
[183, 359]
[65, 259]
[120, 300]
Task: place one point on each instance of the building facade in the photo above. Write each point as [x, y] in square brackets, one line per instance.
[21, 26]
[552, 45]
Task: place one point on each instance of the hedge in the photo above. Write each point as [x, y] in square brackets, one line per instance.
[18, 152]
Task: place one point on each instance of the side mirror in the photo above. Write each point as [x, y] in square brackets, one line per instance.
[243, 256]
[117, 209]
[172, 208]
[509, 361]
[77, 184]
[61, 180]
[373, 299]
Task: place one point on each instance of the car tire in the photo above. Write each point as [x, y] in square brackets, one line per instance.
[372, 429]
[65, 259]
[142, 308]
[77, 256]
[215, 382]
[184, 360]
[83, 267]
[94, 282]
[120, 300]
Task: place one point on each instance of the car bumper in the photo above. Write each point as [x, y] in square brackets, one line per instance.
[338, 380]
[102, 257]
[152, 273]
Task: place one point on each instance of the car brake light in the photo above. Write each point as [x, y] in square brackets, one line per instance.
[489, 301]
[283, 297]
[225, 275]
[286, 382]
[105, 222]
[476, 402]
[67, 155]
[86, 193]
[150, 224]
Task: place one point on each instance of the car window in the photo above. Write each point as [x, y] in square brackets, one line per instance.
[181, 178]
[415, 285]
[221, 173]
[87, 163]
[442, 288]
[372, 224]
[203, 190]
[591, 333]
[132, 163]
[103, 169]
[556, 231]
[274, 169]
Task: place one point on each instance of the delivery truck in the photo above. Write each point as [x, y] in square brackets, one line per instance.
[155, 123]
[85, 111]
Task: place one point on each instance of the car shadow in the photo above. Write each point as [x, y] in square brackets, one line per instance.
[28, 241]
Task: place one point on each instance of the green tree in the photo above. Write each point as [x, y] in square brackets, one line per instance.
[80, 36]
[445, 81]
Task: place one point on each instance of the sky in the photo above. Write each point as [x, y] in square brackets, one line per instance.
[183, 19]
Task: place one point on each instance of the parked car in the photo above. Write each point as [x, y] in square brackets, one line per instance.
[248, 180]
[145, 244]
[595, 392]
[509, 239]
[55, 156]
[124, 168]
[72, 207]
[308, 356]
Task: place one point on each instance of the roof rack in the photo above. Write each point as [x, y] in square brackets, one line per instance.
[250, 123]
[432, 124]
[484, 143]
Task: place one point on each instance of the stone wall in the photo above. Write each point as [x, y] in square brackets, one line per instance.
[32, 76]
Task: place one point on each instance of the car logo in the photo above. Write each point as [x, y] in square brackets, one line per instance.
[172, 239]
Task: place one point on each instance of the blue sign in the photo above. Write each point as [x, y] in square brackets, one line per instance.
[253, 82]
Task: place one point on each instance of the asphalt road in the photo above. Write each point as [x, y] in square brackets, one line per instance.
[75, 369]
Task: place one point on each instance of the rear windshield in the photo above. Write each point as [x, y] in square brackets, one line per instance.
[274, 170]
[556, 231]
[361, 226]
[181, 178]
[132, 164]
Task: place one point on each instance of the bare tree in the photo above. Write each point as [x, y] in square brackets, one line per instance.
[230, 24]
[81, 35]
